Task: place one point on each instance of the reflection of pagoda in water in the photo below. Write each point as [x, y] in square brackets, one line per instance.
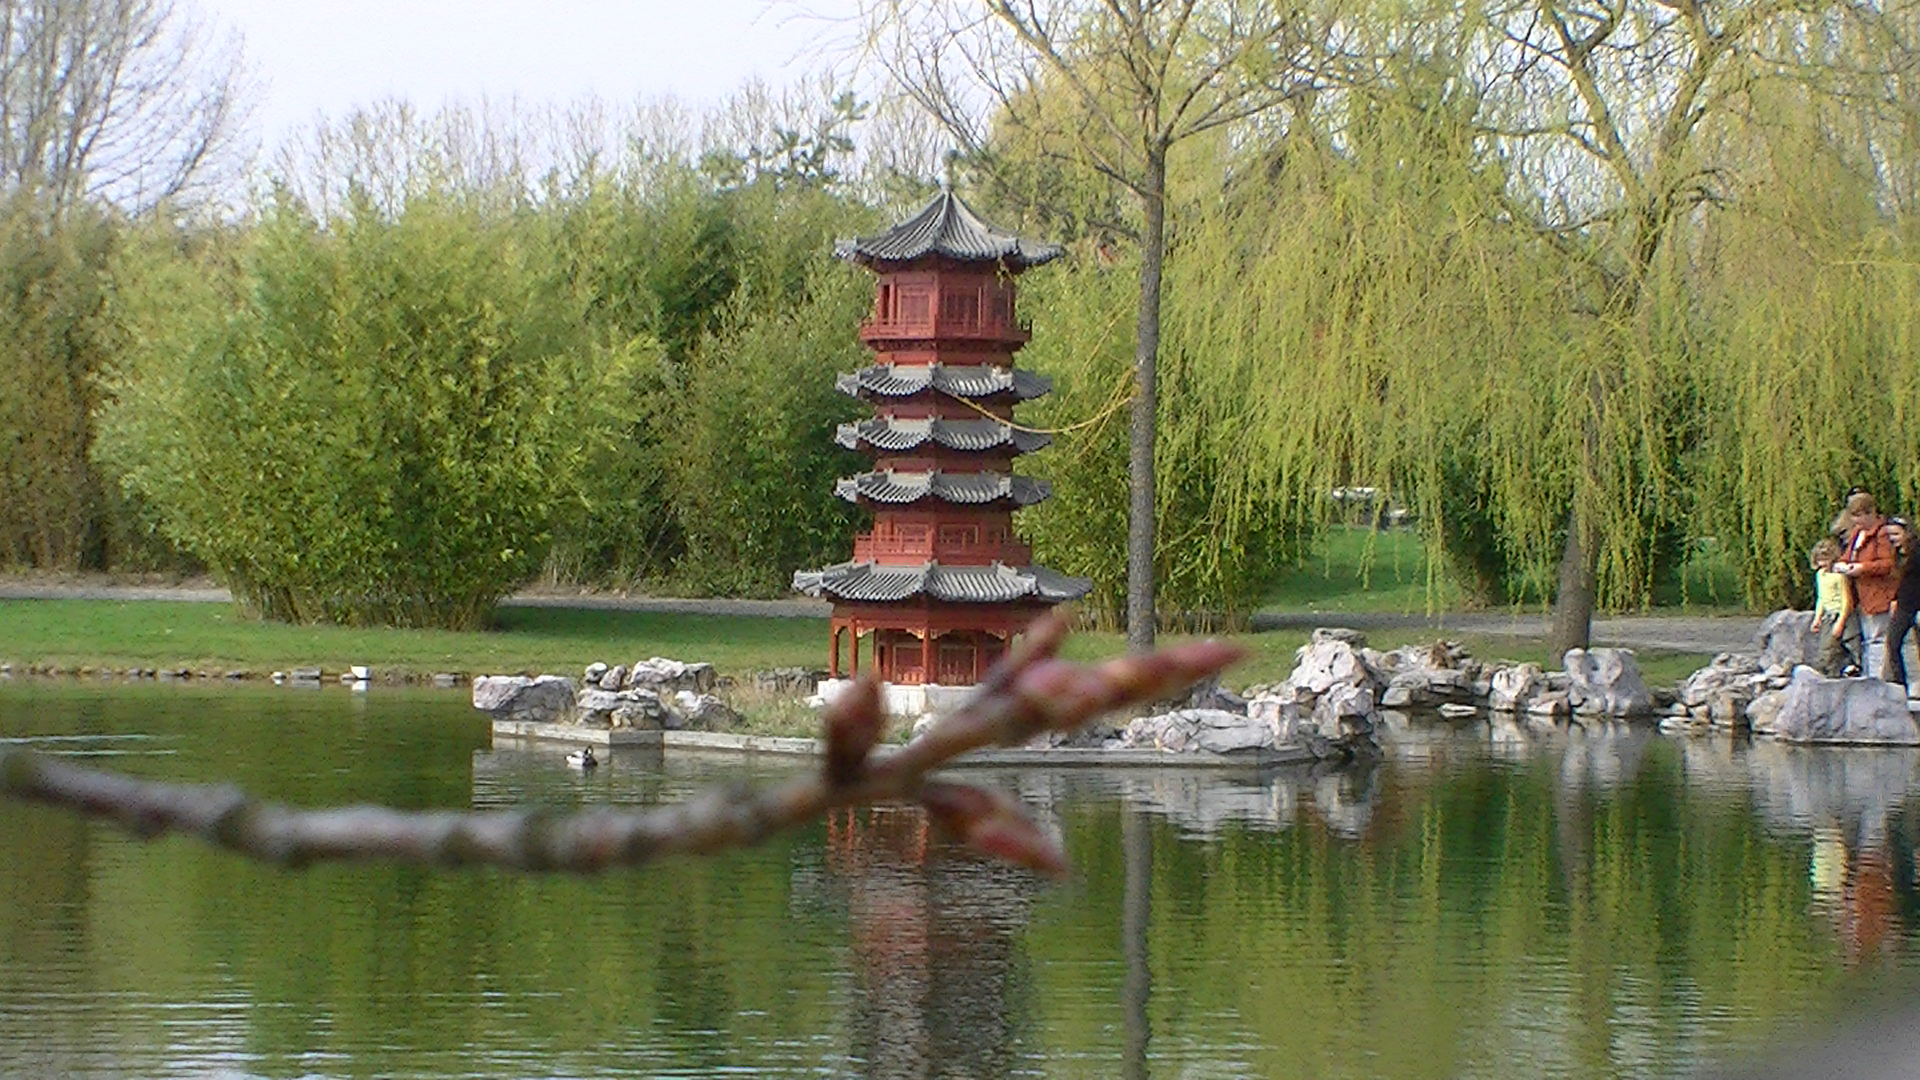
[937, 990]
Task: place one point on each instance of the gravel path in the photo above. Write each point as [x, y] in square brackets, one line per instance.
[210, 594]
[1679, 633]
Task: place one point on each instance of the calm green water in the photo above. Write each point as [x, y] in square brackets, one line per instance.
[1490, 902]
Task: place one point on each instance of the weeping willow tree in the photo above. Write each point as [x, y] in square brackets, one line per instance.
[1216, 551]
[1359, 313]
[1813, 320]
[1389, 285]
[1571, 334]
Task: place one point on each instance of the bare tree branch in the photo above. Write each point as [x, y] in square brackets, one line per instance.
[130, 101]
[1027, 694]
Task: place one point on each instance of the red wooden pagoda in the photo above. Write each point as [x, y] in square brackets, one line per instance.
[941, 582]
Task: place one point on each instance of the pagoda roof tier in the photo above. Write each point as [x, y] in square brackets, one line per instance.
[947, 227]
[895, 486]
[894, 434]
[965, 381]
[994, 584]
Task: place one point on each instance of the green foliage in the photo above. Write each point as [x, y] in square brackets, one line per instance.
[54, 341]
[1808, 351]
[1219, 545]
[754, 457]
[366, 420]
[634, 355]
[726, 279]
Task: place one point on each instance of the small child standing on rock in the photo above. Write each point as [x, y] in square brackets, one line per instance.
[1832, 606]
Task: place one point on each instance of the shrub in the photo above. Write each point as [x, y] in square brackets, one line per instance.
[52, 344]
[368, 420]
[754, 439]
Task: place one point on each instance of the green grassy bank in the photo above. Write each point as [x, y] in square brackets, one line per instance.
[1359, 569]
[114, 636]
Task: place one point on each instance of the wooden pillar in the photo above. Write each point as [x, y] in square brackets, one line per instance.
[926, 652]
[855, 628]
[833, 653]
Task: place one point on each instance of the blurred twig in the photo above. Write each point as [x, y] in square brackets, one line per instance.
[1026, 694]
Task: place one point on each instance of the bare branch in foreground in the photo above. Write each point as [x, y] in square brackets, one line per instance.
[1026, 694]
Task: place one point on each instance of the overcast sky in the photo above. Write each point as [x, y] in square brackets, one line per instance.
[316, 57]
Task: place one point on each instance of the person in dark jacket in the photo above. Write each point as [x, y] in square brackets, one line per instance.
[1906, 602]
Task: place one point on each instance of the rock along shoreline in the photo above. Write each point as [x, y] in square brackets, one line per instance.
[1339, 703]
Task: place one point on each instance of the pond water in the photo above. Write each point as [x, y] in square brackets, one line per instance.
[1491, 901]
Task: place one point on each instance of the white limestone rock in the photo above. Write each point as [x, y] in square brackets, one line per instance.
[1512, 687]
[1405, 693]
[1606, 682]
[545, 699]
[1344, 710]
[1861, 711]
[1284, 714]
[1763, 712]
[1209, 694]
[1548, 704]
[638, 709]
[1786, 639]
[661, 674]
[1727, 671]
[700, 712]
[1324, 663]
[1189, 731]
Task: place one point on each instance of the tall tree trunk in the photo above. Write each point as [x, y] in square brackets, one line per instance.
[1573, 600]
[1141, 489]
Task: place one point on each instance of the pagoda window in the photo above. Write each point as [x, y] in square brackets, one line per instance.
[960, 307]
[959, 535]
[910, 534]
[1002, 299]
[915, 304]
[996, 536]
[883, 304]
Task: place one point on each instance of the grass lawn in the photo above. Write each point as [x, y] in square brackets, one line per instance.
[214, 637]
[123, 634]
[1358, 569]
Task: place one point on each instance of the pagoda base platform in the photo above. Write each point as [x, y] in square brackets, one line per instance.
[903, 699]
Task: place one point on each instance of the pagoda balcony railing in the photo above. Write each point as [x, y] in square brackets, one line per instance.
[1018, 332]
[958, 553]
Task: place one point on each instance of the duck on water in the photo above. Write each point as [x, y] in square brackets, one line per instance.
[582, 759]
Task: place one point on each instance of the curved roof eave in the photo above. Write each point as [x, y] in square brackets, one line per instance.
[947, 227]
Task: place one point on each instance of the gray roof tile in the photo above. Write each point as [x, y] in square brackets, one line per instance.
[967, 381]
[949, 227]
[968, 489]
[896, 434]
[993, 584]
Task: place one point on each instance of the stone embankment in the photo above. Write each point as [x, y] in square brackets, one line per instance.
[652, 695]
[1773, 691]
[1342, 695]
[1339, 701]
